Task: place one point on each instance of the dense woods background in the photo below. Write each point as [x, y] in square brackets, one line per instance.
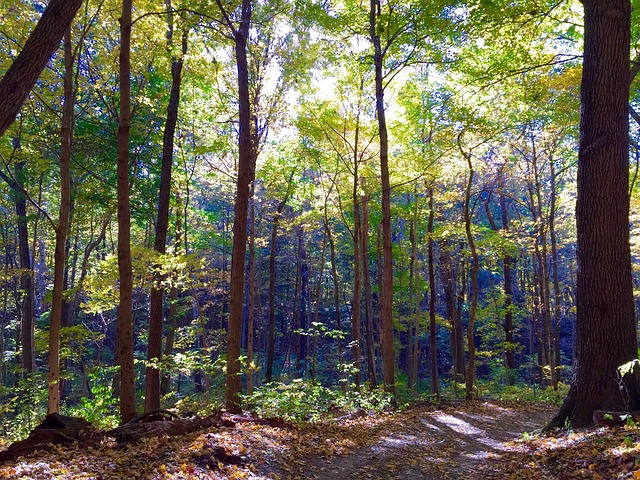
[401, 176]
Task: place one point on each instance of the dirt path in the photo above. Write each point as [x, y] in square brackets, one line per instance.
[452, 442]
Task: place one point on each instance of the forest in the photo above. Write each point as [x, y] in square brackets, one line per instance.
[299, 207]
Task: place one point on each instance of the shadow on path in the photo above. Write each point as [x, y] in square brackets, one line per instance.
[433, 445]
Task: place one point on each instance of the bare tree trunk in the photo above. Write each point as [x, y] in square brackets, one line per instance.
[125, 318]
[386, 317]
[38, 49]
[272, 283]
[556, 281]
[336, 295]
[606, 334]
[62, 229]
[252, 290]
[368, 296]
[246, 174]
[432, 301]
[156, 296]
[475, 267]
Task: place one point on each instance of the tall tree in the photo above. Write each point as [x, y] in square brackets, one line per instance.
[386, 310]
[605, 323]
[62, 229]
[125, 316]
[154, 348]
[246, 174]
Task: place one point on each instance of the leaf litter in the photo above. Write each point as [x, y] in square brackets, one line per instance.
[488, 440]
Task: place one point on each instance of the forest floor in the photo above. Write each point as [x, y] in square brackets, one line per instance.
[484, 439]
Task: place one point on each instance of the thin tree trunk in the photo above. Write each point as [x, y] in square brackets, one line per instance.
[386, 318]
[556, 280]
[252, 290]
[156, 296]
[475, 267]
[368, 296]
[62, 229]
[432, 301]
[336, 295]
[272, 283]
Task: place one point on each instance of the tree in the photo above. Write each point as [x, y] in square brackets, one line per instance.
[125, 305]
[154, 352]
[386, 310]
[43, 41]
[246, 174]
[605, 324]
[62, 229]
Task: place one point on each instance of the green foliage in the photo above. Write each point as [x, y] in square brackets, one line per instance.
[305, 401]
[21, 411]
[101, 407]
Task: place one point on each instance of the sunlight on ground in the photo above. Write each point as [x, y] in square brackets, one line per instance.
[458, 425]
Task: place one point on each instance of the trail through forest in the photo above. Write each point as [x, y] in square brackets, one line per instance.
[477, 440]
[448, 442]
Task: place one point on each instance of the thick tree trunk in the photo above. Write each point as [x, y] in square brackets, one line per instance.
[156, 296]
[60, 257]
[41, 44]
[125, 317]
[605, 325]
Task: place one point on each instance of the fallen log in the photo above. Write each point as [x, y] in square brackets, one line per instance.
[605, 418]
[55, 429]
[269, 422]
[138, 429]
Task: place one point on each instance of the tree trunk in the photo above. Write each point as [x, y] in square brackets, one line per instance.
[470, 375]
[336, 295]
[368, 296]
[125, 317]
[432, 301]
[252, 290]
[272, 283]
[605, 325]
[510, 361]
[60, 257]
[356, 304]
[556, 280]
[38, 49]
[156, 296]
[246, 174]
[386, 311]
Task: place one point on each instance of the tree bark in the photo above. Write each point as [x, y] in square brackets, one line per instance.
[386, 311]
[272, 284]
[605, 324]
[156, 296]
[432, 301]
[41, 44]
[246, 174]
[125, 317]
[62, 229]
